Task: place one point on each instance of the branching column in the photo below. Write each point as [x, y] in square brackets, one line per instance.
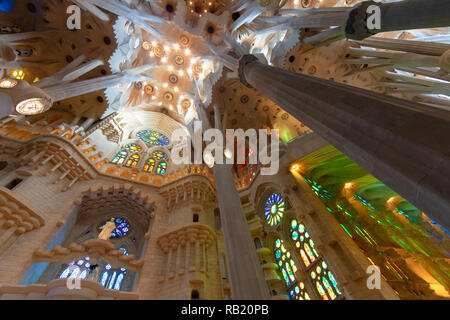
[404, 144]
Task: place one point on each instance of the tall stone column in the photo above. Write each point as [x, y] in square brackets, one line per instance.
[197, 255]
[246, 276]
[187, 262]
[395, 16]
[404, 144]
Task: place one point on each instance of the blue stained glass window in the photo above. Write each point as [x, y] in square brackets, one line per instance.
[118, 283]
[111, 282]
[274, 209]
[122, 228]
[104, 278]
[76, 269]
[295, 288]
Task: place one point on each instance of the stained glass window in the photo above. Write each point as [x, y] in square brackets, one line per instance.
[303, 243]
[76, 269]
[149, 165]
[159, 155]
[153, 137]
[323, 279]
[133, 161]
[133, 147]
[161, 169]
[274, 209]
[113, 278]
[120, 157]
[288, 268]
[122, 227]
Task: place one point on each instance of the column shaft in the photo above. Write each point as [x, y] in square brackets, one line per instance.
[246, 276]
[396, 16]
[404, 144]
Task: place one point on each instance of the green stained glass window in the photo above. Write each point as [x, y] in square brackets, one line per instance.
[161, 169]
[322, 277]
[324, 281]
[153, 137]
[303, 242]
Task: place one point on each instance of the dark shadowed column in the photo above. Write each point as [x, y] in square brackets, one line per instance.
[395, 16]
[404, 144]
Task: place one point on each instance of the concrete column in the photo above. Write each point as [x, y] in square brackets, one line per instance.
[404, 144]
[395, 16]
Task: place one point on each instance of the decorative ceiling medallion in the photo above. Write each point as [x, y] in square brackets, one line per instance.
[33, 106]
[8, 83]
[186, 103]
[146, 45]
[179, 60]
[168, 96]
[312, 70]
[158, 51]
[244, 98]
[307, 3]
[173, 78]
[285, 116]
[198, 67]
[184, 40]
[149, 89]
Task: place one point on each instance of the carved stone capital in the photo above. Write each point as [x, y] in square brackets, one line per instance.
[246, 59]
